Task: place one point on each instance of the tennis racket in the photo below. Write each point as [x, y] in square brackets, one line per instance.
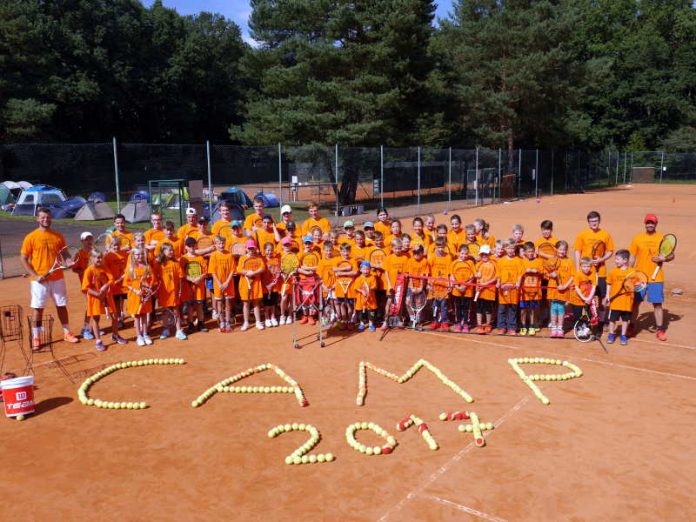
[667, 247]
[272, 274]
[310, 261]
[288, 266]
[251, 264]
[487, 278]
[147, 290]
[599, 249]
[226, 232]
[205, 243]
[463, 275]
[193, 270]
[65, 258]
[635, 281]
[238, 249]
[344, 281]
[530, 283]
[377, 258]
[585, 288]
[415, 303]
[102, 241]
[549, 256]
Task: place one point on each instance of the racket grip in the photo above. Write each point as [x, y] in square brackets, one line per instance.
[655, 272]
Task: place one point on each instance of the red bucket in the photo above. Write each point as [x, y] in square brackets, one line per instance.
[18, 395]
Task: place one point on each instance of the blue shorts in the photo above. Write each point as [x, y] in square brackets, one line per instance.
[344, 300]
[529, 305]
[655, 294]
[557, 307]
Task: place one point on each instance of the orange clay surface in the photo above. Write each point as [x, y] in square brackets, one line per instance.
[616, 444]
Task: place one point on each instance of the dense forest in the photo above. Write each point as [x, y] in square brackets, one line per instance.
[521, 73]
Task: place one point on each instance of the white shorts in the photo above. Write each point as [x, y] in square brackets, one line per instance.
[40, 293]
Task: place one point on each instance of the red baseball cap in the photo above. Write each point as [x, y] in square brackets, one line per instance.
[650, 217]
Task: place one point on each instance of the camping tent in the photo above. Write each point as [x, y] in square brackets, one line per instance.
[37, 196]
[136, 211]
[6, 196]
[92, 211]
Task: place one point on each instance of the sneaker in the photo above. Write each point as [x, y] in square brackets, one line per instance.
[479, 330]
[304, 319]
[35, 344]
[465, 328]
[487, 328]
[288, 319]
[267, 323]
[444, 327]
[181, 335]
[560, 333]
[140, 341]
[523, 331]
[215, 315]
[222, 327]
[372, 328]
[244, 327]
[434, 326]
[623, 339]
[70, 338]
[611, 338]
[661, 335]
[87, 334]
[361, 327]
[259, 326]
[100, 346]
[164, 334]
[118, 339]
[502, 331]
[282, 320]
[274, 323]
[384, 326]
[531, 331]
[147, 339]
[457, 328]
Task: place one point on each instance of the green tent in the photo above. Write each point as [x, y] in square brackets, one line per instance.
[6, 196]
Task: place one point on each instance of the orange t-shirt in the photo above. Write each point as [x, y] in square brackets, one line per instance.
[384, 227]
[615, 280]
[95, 277]
[531, 283]
[310, 223]
[393, 266]
[510, 269]
[365, 282]
[186, 229]
[251, 288]
[170, 274]
[190, 291]
[135, 305]
[586, 240]
[468, 274]
[579, 278]
[643, 247]
[221, 265]
[415, 267]
[42, 247]
[565, 270]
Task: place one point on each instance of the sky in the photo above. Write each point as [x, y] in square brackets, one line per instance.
[239, 10]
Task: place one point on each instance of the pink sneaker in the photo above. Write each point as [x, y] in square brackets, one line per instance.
[457, 328]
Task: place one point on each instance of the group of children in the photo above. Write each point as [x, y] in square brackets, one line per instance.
[473, 281]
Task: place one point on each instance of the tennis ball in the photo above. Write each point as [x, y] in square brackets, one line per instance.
[321, 458]
[312, 459]
[329, 457]
[20, 417]
[443, 416]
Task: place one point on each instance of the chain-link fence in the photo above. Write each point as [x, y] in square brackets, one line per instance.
[342, 180]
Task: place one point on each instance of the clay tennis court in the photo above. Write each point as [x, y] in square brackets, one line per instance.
[617, 443]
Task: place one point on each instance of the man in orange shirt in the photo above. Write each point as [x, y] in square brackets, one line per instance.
[645, 256]
[254, 221]
[190, 225]
[39, 250]
[314, 220]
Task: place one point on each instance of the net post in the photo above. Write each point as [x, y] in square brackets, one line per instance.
[118, 188]
[337, 188]
[419, 179]
[449, 180]
[210, 181]
[381, 176]
[280, 177]
[662, 164]
[476, 190]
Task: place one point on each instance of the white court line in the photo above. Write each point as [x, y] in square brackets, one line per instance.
[666, 344]
[574, 357]
[447, 465]
[461, 507]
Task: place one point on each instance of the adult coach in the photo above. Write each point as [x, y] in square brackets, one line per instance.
[315, 221]
[39, 250]
[191, 224]
[645, 257]
[584, 243]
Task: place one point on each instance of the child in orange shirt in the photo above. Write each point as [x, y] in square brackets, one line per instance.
[620, 306]
[251, 266]
[560, 281]
[115, 263]
[463, 291]
[440, 268]
[286, 286]
[418, 236]
[418, 267]
[585, 287]
[530, 290]
[510, 271]
[365, 301]
[272, 283]
[82, 261]
[142, 285]
[96, 283]
[345, 270]
[486, 280]
[193, 291]
[394, 264]
[170, 275]
[221, 266]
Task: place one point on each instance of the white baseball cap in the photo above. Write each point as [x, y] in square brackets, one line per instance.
[85, 235]
[485, 249]
[286, 209]
[191, 211]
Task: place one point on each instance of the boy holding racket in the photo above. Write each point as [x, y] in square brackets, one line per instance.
[272, 285]
[418, 267]
[560, 281]
[288, 262]
[584, 288]
[96, 284]
[595, 243]
[646, 256]
[345, 270]
[309, 264]
[510, 272]
[463, 270]
[254, 221]
[530, 290]
[221, 266]
[484, 297]
[440, 269]
[193, 292]
[82, 261]
[365, 300]
[394, 264]
[250, 267]
[620, 304]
